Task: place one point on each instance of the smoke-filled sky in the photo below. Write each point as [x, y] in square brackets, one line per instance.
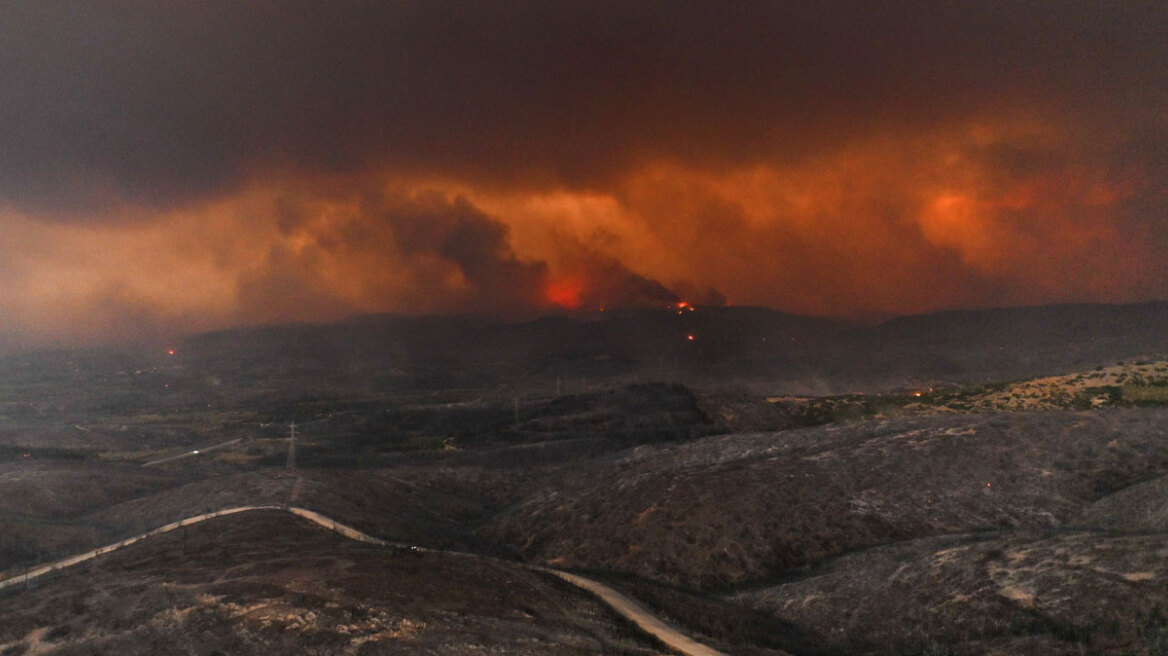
[177, 166]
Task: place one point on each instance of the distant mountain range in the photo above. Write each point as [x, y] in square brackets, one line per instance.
[702, 346]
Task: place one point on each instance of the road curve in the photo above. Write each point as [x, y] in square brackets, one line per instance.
[637, 614]
[621, 604]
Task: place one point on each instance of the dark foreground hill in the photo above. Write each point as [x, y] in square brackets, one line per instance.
[1020, 518]
[1036, 532]
[732, 510]
[996, 593]
[266, 583]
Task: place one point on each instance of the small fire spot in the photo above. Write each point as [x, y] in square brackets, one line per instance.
[565, 293]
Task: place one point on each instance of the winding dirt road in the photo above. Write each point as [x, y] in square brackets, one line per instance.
[623, 605]
[637, 614]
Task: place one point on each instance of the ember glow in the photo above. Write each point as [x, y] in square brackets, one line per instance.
[200, 171]
[565, 293]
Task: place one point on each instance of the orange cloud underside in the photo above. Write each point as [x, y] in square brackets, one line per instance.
[887, 226]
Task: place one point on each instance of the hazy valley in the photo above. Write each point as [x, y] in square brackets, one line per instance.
[960, 483]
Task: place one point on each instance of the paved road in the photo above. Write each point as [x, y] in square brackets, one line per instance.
[195, 452]
[623, 605]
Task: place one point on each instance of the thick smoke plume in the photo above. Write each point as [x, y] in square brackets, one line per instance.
[177, 166]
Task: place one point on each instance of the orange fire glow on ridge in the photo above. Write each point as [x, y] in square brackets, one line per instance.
[565, 293]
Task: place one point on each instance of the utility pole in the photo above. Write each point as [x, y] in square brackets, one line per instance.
[292, 447]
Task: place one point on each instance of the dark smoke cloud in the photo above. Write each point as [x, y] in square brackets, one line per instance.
[459, 233]
[159, 103]
[197, 164]
[609, 283]
[419, 252]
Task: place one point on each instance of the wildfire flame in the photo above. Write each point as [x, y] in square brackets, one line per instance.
[565, 293]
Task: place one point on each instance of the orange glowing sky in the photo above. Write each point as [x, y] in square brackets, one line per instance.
[174, 168]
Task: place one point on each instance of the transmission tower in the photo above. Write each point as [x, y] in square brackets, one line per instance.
[292, 447]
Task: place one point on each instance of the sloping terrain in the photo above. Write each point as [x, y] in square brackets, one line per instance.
[1130, 382]
[958, 505]
[730, 345]
[726, 510]
[44, 504]
[730, 513]
[1020, 593]
[1139, 508]
[268, 583]
[433, 507]
[1135, 383]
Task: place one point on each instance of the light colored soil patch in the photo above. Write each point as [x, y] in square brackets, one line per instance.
[1020, 595]
[1059, 391]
